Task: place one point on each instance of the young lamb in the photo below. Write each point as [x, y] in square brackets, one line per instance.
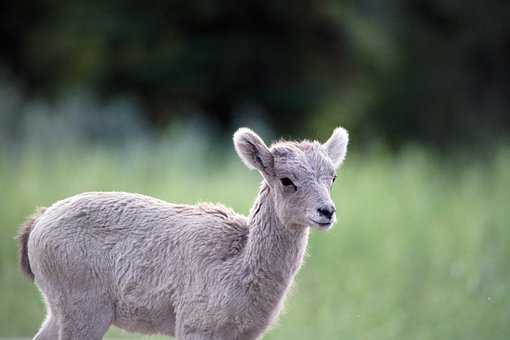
[195, 272]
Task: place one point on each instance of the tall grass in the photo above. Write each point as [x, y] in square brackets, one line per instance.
[421, 250]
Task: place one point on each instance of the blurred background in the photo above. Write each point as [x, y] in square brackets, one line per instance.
[144, 97]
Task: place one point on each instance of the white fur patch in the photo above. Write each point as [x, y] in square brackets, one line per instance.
[336, 146]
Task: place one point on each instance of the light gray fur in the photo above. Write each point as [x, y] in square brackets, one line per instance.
[195, 272]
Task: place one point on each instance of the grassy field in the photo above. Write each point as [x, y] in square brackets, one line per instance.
[421, 250]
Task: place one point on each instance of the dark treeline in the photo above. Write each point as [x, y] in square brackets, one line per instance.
[435, 71]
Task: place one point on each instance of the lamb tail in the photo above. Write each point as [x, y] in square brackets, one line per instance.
[23, 234]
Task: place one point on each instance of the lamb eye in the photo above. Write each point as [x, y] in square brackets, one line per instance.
[334, 177]
[286, 182]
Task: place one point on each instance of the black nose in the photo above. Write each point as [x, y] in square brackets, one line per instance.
[327, 211]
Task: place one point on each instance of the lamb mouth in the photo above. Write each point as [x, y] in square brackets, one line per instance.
[322, 224]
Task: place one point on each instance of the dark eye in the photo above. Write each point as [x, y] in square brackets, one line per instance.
[286, 182]
[334, 177]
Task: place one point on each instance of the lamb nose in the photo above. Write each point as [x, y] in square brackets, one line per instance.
[326, 211]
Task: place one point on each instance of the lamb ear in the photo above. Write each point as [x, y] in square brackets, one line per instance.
[253, 151]
[336, 146]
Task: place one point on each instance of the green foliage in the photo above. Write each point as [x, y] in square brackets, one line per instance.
[420, 250]
[434, 70]
[215, 57]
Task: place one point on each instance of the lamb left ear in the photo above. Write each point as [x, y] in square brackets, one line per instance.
[336, 146]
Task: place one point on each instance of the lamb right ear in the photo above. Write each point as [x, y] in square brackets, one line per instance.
[253, 151]
[336, 146]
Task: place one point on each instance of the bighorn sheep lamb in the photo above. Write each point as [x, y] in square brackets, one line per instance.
[194, 272]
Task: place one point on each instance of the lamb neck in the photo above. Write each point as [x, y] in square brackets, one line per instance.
[273, 252]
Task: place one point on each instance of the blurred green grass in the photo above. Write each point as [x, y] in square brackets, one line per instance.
[421, 250]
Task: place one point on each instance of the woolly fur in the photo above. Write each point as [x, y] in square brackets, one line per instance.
[197, 272]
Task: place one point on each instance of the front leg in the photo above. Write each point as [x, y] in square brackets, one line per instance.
[197, 320]
[190, 326]
[202, 328]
